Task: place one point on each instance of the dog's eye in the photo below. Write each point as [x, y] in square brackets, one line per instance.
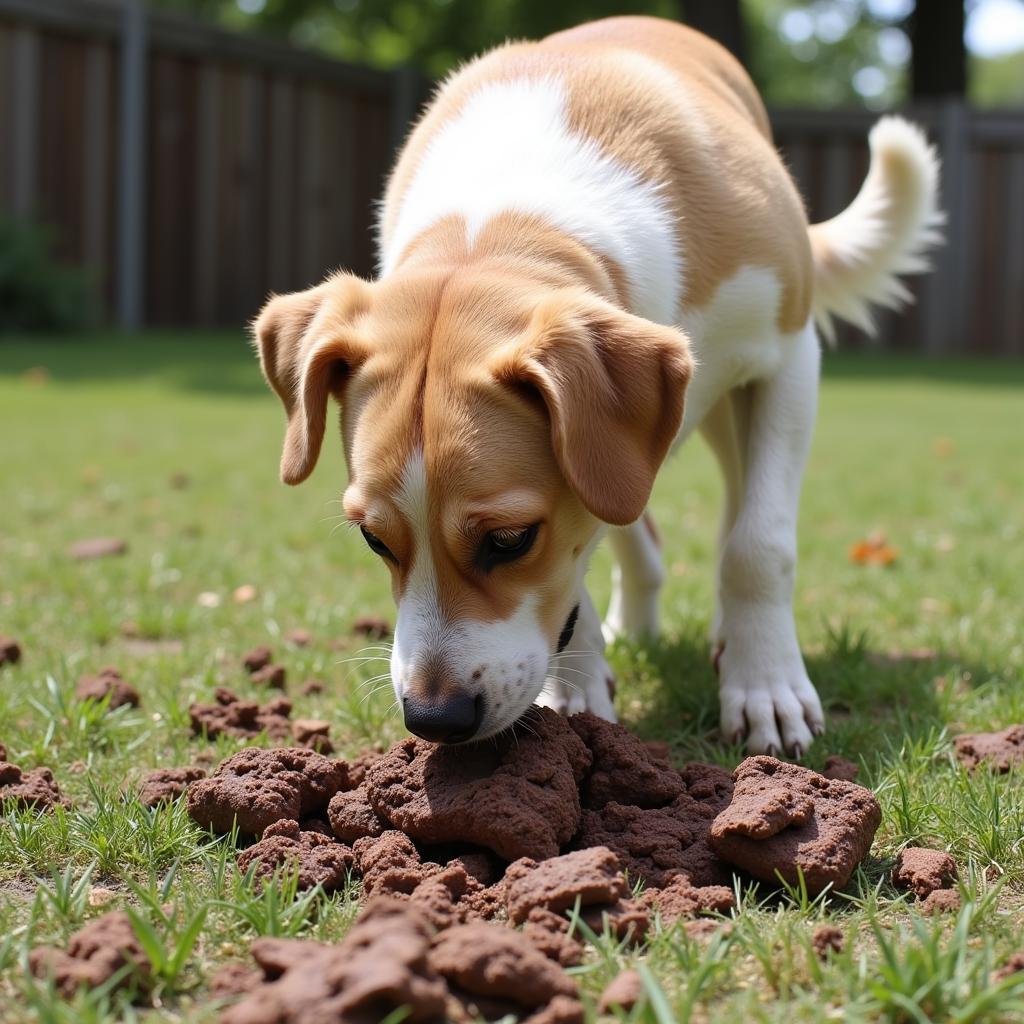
[377, 545]
[501, 546]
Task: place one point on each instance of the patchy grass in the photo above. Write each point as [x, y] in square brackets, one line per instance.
[171, 443]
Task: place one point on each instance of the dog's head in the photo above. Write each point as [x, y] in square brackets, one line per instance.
[490, 426]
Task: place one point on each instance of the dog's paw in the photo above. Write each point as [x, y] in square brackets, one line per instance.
[593, 692]
[775, 712]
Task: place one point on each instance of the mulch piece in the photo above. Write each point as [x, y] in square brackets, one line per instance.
[998, 751]
[163, 785]
[923, 871]
[108, 683]
[827, 940]
[787, 819]
[93, 956]
[97, 547]
[10, 651]
[245, 719]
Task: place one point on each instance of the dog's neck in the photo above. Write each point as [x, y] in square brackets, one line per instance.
[523, 246]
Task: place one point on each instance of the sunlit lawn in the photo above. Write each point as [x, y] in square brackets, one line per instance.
[171, 443]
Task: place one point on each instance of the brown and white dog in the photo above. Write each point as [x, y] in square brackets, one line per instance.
[578, 233]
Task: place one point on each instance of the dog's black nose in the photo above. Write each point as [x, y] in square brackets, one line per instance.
[443, 719]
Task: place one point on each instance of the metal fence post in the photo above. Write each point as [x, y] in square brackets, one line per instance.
[131, 191]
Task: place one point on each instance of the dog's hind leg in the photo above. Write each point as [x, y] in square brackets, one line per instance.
[637, 578]
[579, 678]
[766, 696]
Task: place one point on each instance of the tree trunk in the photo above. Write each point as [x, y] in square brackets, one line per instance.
[939, 63]
[720, 19]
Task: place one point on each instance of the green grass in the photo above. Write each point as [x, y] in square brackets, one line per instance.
[172, 443]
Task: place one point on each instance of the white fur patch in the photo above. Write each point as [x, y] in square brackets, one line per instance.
[510, 149]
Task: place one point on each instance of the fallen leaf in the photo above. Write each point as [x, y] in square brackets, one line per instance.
[873, 550]
[244, 594]
[208, 599]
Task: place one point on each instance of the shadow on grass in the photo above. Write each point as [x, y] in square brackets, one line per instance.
[875, 703]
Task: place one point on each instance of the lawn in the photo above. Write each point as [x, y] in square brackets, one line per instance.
[171, 443]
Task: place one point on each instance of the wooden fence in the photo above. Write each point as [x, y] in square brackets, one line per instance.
[194, 170]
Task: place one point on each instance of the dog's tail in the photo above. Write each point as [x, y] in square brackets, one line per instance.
[886, 231]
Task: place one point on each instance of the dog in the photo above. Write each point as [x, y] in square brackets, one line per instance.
[589, 250]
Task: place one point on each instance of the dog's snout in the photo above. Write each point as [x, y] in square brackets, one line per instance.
[444, 719]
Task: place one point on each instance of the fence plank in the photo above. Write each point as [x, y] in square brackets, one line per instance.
[25, 128]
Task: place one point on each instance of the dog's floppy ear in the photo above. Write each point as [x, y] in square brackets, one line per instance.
[308, 349]
[613, 388]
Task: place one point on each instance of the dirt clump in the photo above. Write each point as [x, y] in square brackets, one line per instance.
[317, 859]
[273, 677]
[313, 733]
[299, 637]
[10, 651]
[837, 767]
[827, 940]
[590, 876]
[623, 992]
[551, 934]
[97, 547]
[493, 970]
[1014, 965]
[35, 788]
[163, 785]
[257, 787]
[785, 819]
[623, 768]
[93, 956]
[107, 683]
[259, 657]
[352, 817]
[941, 901]
[372, 627]
[389, 863]
[234, 979]
[244, 719]
[517, 796]
[311, 687]
[380, 967]
[680, 898]
[923, 871]
[998, 751]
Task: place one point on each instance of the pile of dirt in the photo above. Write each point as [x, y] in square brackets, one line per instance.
[393, 960]
[924, 871]
[108, 683]
[35, 788]
[837, 767]
[372, 627]
[317, 858]
[245, 719]
[623, 992]
[828, 940]
[259, 664]
[10, 651]
[164, 785]
[786, 820]
[100, 950]
[998, 751]
[258, 787]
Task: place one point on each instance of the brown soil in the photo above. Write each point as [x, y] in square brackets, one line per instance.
[108, 682]
[352, 817]
[258, 787]
[93, 956]
[312, 686]
[313, 733]
[590, 876]
[372, 627]
[682, 899]
[299, 637]
[785, 819]
[623, 992]
[274, 677]
[165, 784]
[923, 871]
[1014, 965]
[999, 751]
[259, 657]
[941, 901]
[317, 858]
[827, 940]
[10, 651]
[245, 719]
[35, 788]
[837, 767]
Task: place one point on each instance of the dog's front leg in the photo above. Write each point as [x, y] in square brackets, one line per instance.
[579, 678]
[766, 696]
[637, 579]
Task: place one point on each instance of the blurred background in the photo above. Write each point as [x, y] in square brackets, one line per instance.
[167, 164]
